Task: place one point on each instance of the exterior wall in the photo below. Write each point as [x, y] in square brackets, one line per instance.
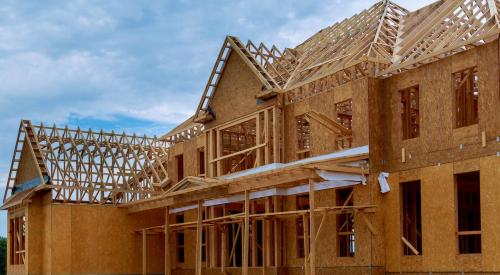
[321, 141]
[27, 166]
[439, 141]
[439, 241]
[433, 158]
[236, 91]
[90, 239]
[189, 150]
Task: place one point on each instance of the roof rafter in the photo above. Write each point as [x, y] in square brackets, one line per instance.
[92, 167]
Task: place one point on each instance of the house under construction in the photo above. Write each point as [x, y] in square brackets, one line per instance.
[373, 147]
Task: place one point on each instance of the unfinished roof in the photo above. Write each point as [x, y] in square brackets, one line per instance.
[86, 166]
[184, 131]
[381, 41]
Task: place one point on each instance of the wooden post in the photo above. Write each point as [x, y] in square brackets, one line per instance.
[276, 149]
[246, 232]
[277, 232]
[213, 241]
[208, 155]
[258, 141]
[305, 224]
[144, 253]
[253, 240]
[266, 249]
[199, 232]
[312, 235]
[223, 258]
[168, 264]
[218, 164]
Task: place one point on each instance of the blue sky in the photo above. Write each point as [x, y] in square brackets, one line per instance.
[134, 66]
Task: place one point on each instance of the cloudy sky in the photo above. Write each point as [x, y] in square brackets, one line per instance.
[134, 66]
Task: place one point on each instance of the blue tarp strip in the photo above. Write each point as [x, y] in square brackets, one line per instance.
[29, 184]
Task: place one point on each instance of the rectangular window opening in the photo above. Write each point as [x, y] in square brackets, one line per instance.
[468, 213]
[466, 88]
[345, 224]
[179, 243]
[179, 161]
[17, 240]
[410, 116]
[201, 161]
[303, 137]
[344, 118]
[236, 139]
[204, 237]
[411, 217]
[234, 236]
[302, 203]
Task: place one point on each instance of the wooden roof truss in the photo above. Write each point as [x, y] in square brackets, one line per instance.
[231, 43]
[455, 26]
[187, 133]
[369, 36]
[95, 167]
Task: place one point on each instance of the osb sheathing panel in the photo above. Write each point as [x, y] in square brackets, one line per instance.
[490, 207]
[377, 124]
[235, 93]
[439, 141]
[489, 98]
[340, 270]
[439, 220]
[61, 239]
[88, 239]
[189, 150]
[321, 138]
[39, 235]
[27, 166]
[16, 270]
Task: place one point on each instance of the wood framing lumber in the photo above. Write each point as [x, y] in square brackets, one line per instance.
[168, 256]
[199, 233]
[144, 253]
[410, 246]
[246, 232]
[312, 223]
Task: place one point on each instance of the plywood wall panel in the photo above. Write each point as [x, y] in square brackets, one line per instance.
[489, 90]
[61, 239]
[236, 91]
[360, 112]
[438, 216]
[392, 225]
[490, 207]
[27, 166]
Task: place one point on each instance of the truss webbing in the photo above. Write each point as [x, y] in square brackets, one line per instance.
[454, 26]
[94, 167]
[231, 44]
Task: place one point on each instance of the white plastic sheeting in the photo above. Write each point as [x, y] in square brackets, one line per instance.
[273, 166]
[382, 180]
[331, 179]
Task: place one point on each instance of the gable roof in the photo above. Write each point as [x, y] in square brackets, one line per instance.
[231, 44]
[368, 36]
[381, 41]
[442, 29]
[189, 183]
[86, 166]
[184, 131]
